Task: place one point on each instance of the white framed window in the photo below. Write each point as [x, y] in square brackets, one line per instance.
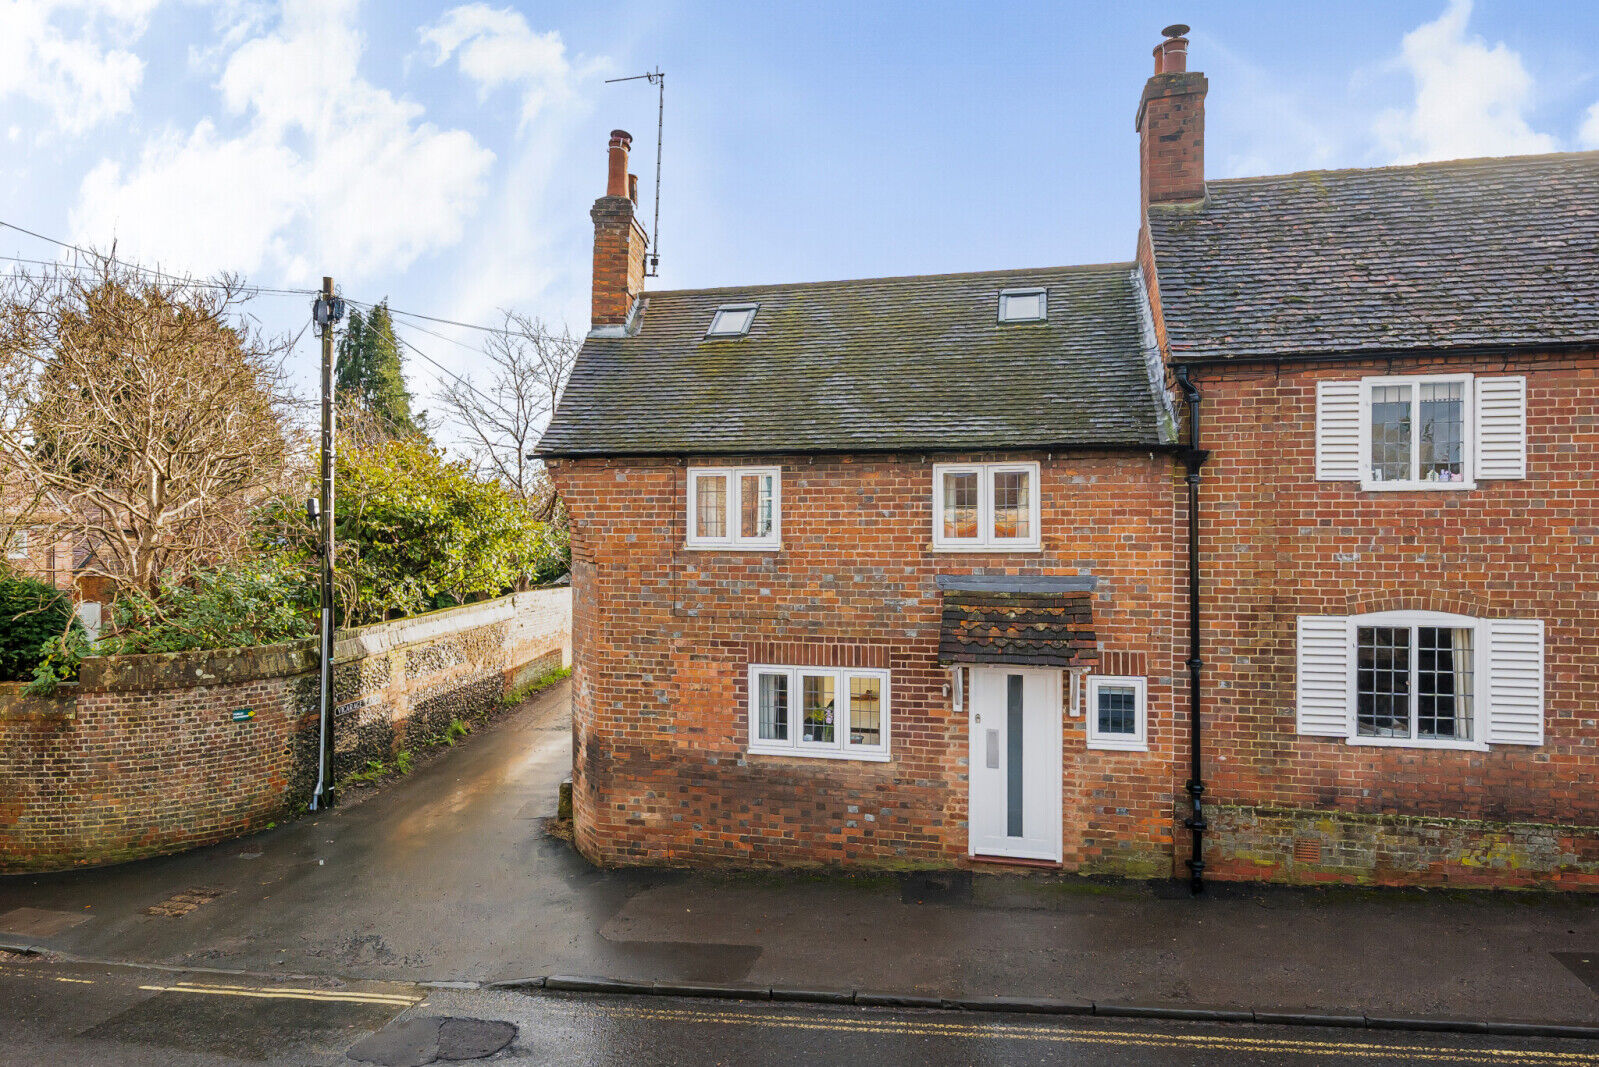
[1421, 432]
[732, 320]
[735, 507]
[1118, 713]
[1421, 679]
[1023, 305]
[985, 506]
[18, 546]
[831, 712]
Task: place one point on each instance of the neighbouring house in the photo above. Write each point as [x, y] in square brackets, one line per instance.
[945, 570]
[31, 541]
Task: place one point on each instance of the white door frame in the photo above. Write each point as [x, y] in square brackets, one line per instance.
[1054, 729]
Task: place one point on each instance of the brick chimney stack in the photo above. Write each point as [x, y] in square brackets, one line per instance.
[619, 240]
[1171, 126]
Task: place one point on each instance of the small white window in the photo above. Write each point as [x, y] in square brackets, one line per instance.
[985, 506]
[1023, 305]
[732, 320]
[1117, 713]
[830, 712]
[18, 548]
[1416, 432]
[734, 507]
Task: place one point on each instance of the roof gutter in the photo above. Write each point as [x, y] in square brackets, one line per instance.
[1159, 448]
[1194, 458]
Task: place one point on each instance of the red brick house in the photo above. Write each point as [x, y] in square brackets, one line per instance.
[948, 569]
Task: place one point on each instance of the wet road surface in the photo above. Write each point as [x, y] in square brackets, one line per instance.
[72, 1014]
[449, 875]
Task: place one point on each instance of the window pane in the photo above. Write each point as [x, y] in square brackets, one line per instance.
[732, 321]
[1014, 727]
[755, 505]
[1443, 424]
[1390, 433]
[1118, 710]
[773, 702]
[1443, 682]
[1382, 681]
[710, 505]
[865, 711]
[960, 504]
[818, 698]
[1028, 306]
[1012, 504]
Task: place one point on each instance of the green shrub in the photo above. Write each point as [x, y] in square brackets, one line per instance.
[32, 614]
[218, 607]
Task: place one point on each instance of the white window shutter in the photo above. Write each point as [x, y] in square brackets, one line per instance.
[1324, 675]
[1338, 431]
[1501, 418]
[1515, 682]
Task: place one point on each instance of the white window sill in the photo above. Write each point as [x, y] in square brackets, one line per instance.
[1002, 547]
[701, 546]
[1103, 745]
[1418, 742]
[820, 753]
[1416, 487]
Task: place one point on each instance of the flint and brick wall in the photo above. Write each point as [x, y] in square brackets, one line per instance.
[143, 756]
[663, 637]
[1279, 544]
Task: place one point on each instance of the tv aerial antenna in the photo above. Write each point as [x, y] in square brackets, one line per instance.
[657, 78]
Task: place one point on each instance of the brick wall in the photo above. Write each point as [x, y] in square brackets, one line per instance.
[663, 636]
[1279, 544]
[143, 756]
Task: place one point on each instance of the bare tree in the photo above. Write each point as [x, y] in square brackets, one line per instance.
[528, 365]
[147, 409]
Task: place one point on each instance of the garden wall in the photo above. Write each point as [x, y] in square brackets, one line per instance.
[153, 754]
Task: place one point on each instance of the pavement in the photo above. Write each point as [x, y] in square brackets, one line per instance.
[448, 875]
[79, 1014]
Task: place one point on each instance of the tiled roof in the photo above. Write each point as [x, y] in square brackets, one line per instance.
[1477, 252]
[1018, 628]
[881, 364]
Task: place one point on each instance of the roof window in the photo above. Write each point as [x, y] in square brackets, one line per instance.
[1023, 305]
[732, 320]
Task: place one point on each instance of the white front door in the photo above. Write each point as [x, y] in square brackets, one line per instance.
[1015, 720]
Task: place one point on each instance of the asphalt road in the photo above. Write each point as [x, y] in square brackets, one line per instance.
[77, 1014]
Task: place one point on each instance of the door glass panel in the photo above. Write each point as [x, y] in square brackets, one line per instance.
[960, 504]
[1013, 755]
[865, 711]
[819, 703]
[774, 707]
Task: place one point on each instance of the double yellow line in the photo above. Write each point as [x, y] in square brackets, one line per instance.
[391, 1000]
[1130, 1039]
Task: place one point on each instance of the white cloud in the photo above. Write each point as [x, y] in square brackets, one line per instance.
[328, 173]
[57, 54]
[497, 48]
[1588, 132]
[1471, 98]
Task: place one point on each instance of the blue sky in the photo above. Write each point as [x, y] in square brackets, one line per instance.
[445, 155]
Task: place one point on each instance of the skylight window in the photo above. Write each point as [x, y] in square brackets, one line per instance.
[1023, 305]
[732, 320]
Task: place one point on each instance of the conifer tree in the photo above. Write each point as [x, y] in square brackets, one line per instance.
[370, 374]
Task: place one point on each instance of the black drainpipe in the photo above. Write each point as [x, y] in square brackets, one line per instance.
[1194, 458]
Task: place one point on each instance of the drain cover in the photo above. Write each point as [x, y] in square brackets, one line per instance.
[180, 904]
[418, 1042]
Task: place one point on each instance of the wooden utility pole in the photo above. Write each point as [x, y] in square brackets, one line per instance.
[328, 310]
